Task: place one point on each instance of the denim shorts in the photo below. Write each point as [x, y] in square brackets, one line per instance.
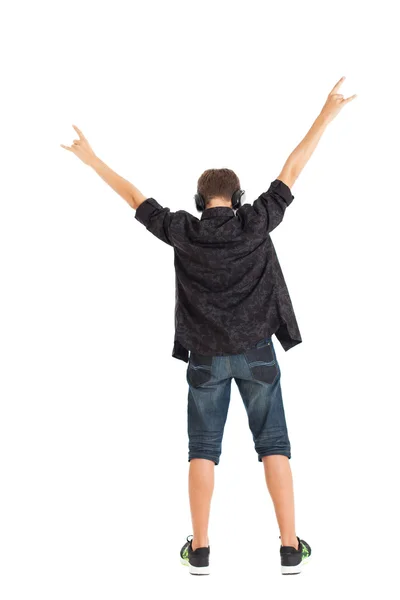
[258, 377]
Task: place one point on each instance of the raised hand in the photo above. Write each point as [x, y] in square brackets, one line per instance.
[81, 148]
[335, 102]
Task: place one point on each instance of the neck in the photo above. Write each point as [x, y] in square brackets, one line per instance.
[219, 202]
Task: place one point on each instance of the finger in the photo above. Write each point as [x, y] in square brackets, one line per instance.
[66, 147]
[79, 132]
[337, 85]
[349, 99]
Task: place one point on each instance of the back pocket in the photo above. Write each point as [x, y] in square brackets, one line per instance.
[199, 369]
[262, 362]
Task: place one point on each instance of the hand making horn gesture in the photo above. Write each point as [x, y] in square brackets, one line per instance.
[335, 102]
[81, 148]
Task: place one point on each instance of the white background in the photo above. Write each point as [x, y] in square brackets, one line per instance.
[93, 469]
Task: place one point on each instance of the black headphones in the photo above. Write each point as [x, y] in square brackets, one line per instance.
[236, 200]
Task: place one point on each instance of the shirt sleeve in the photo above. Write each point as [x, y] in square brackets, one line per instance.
[156, 218]
[271, 205]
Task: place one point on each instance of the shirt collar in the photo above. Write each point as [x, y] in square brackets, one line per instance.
[217, 211]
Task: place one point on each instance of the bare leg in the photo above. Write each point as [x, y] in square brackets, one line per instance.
[201, 487]
[278, 476]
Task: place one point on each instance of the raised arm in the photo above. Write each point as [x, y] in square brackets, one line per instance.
[302, 153]
[82, 149]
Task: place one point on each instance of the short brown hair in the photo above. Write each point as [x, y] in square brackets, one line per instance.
[218, 182]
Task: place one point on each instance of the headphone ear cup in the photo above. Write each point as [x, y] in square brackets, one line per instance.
[200, 204]
[237, 198]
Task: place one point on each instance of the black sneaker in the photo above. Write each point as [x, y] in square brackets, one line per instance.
[197, 560]
[292, 559]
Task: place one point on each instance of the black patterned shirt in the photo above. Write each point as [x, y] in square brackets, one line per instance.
[229, 287]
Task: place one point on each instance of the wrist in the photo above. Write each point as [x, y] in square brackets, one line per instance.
[94, 162]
